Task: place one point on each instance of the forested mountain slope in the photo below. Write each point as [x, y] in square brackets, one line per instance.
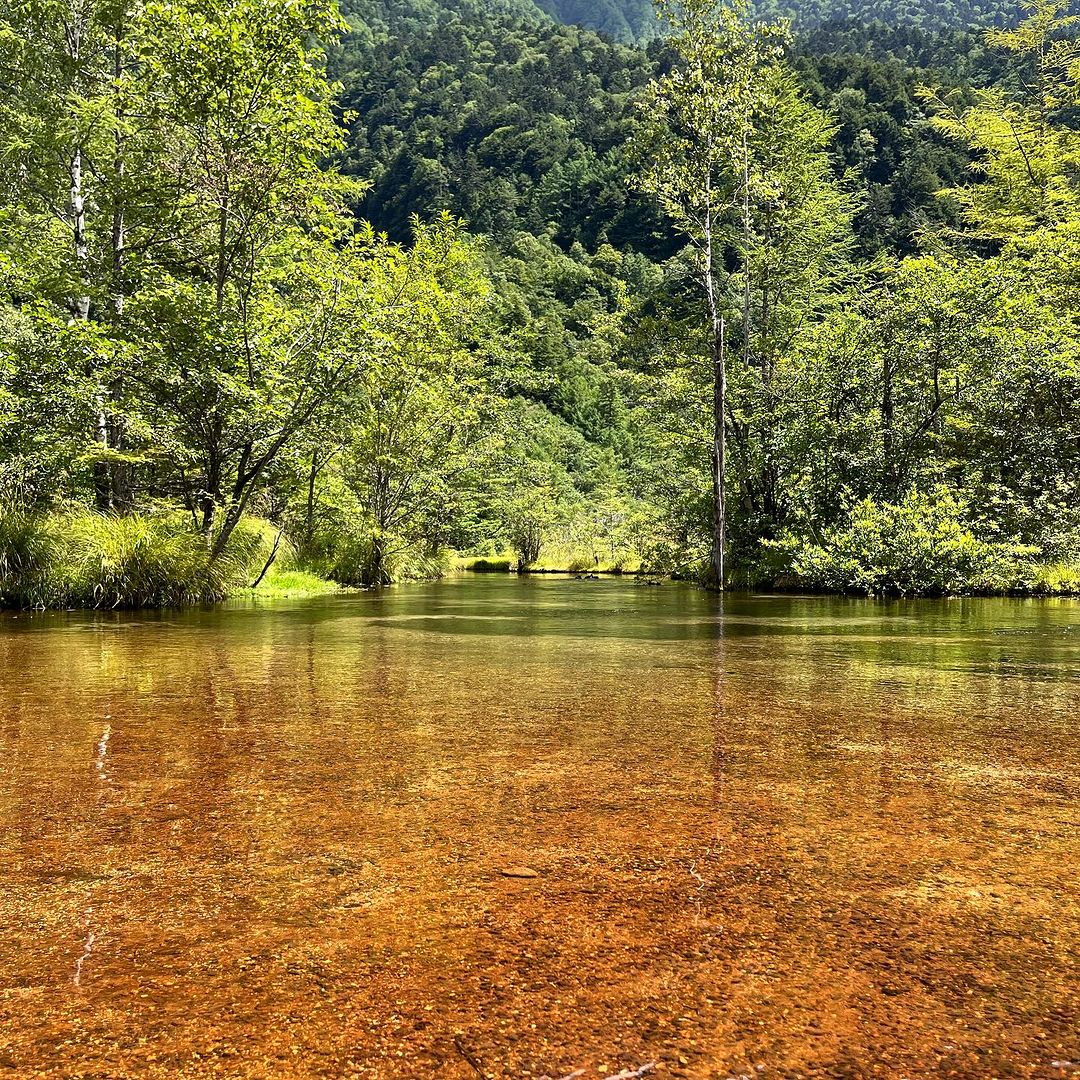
[376, 19]
[523, 128]
[629, 21]
[515, 124]
[504, 122]
[529, 131]
[626, 20]
[932, 15]
[635, 20]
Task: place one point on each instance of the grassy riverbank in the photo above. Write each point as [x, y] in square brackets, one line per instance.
[291, 584]
[554, 560]
[83, 559]
[79, 558]
[961, 569]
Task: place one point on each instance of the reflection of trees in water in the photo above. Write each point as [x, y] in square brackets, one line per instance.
[719, 712]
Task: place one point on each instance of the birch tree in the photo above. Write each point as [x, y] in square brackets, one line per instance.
[738, 159]
[249, 263]
[70, 95]
[701, 117]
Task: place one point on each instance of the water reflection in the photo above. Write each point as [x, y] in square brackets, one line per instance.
[793, 836]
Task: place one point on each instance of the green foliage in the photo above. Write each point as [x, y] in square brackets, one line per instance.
[294, 583]
[920, 546]
[1025, 144]
[625, 20]
[945, 371]
[927, 14]
[192, 316]
[869, 79]
[79, 558]
[349, 556]
[421, 411]
[1056, 579]
[548, 477]
[738, 158]
[163, 238]
[490, 566]
[28, 554]
[509, 125]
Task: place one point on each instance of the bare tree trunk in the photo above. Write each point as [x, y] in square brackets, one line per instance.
[309, 526]
[81, 306]
[377, 568]
[746, 225]
[211, 496]
[719, 454]
[78, 223]
[719, 412]
[380, 515]
[221, 272]
[887, 435]
[120, 473]
[269, 562]
[81, 303]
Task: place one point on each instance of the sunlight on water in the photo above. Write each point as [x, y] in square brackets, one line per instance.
[542, 828]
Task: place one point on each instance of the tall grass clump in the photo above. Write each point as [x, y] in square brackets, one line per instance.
[1057, 579]
[29, 558]
[292, 583]
[79, 558]
[490, 566]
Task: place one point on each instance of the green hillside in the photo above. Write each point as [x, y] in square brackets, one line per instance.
[625, 20]
[515, 124]
[635, 20]
[934, 15]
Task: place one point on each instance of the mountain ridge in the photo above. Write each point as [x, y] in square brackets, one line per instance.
[635, 21]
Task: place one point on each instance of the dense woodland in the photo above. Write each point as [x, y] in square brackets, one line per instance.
[292, 294]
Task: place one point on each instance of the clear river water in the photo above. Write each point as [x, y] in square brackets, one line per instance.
[771, 836]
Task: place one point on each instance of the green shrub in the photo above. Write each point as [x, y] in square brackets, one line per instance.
[344, 552]
[285, 583]
[418, 564]
[1056, 579]
[347, 559]
[29, 557]
[490, 566]
[84, 559]
[580, 564]
[920, 546]
[668, 558]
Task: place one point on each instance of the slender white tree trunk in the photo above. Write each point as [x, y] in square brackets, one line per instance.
[719, 411]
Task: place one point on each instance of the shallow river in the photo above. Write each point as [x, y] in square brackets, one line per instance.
[781, 837]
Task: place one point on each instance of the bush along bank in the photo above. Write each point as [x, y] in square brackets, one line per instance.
[80, 558]
[924, 545]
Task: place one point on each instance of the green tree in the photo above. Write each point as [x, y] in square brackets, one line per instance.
[80, 129]
[699, 166]
[421, 414]
[738, 159]
[1026, 147]
[249, 267]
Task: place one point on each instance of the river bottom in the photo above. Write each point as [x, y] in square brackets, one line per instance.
[785, 837]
